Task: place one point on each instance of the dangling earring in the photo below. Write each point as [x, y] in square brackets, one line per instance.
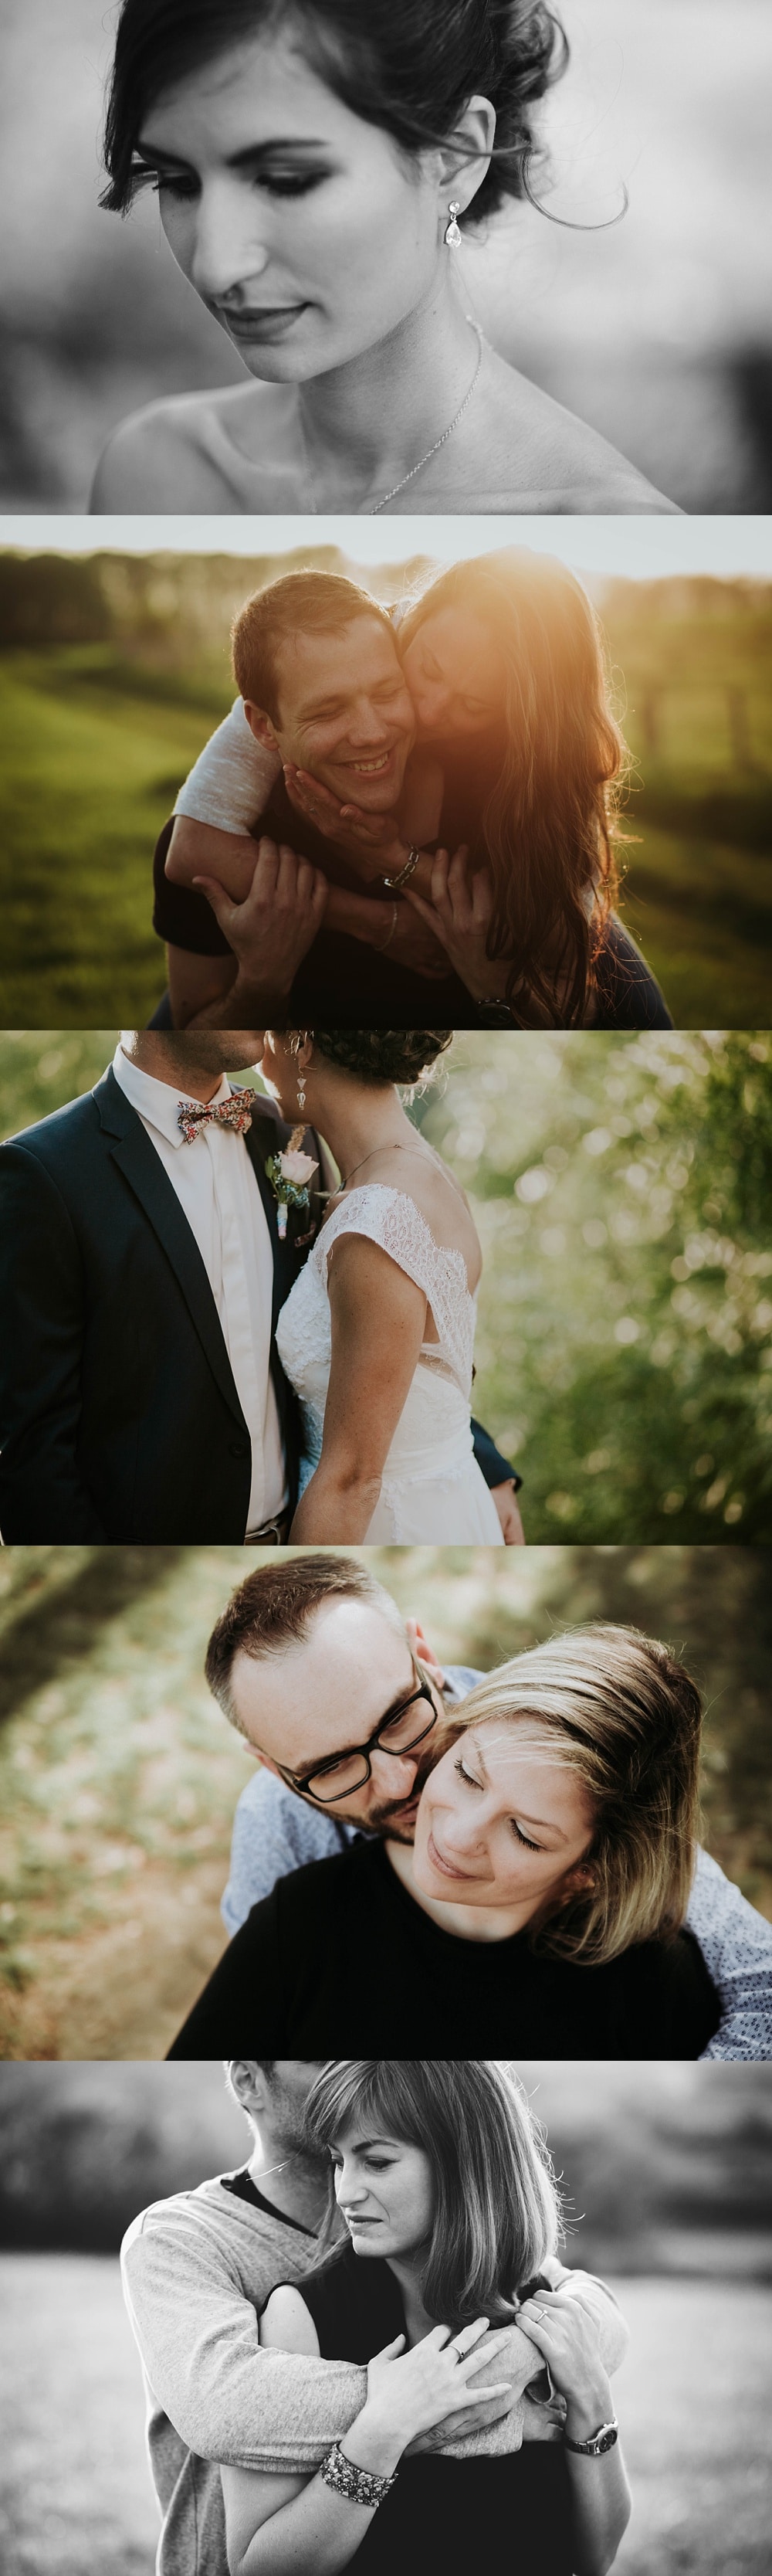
[453, 234]
[301, 1075]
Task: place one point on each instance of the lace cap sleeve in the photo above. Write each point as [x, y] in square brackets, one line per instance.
[392, 1220]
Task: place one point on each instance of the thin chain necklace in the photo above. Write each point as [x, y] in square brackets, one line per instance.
[430, 452]
[395, 1148]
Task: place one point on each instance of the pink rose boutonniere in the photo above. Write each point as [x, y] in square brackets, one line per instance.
[289, 1174]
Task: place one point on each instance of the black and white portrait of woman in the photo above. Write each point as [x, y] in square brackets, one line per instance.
[445, 258]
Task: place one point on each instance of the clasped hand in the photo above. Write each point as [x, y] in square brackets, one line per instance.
[408, 2393]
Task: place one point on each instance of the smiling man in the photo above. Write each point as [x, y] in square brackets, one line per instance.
[347, 1710]
[323, 692]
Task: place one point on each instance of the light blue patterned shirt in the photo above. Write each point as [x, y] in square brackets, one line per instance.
[275, 1832]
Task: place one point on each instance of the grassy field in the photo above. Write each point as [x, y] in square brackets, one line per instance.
[75, 2490]
[97, 742]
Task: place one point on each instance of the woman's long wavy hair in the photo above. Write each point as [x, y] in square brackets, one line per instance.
[496, 2214]
[550, 825]
[620, 1711]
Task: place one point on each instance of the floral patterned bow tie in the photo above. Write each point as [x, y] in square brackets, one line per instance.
[235, 1112]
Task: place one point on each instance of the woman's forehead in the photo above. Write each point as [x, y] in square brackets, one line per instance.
[260, 91]
[519, 1752]
[355, 2134]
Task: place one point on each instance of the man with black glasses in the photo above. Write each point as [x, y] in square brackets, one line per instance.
[345, 1706]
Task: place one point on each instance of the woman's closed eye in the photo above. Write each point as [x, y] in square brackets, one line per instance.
[471, 1783]
[184, 183]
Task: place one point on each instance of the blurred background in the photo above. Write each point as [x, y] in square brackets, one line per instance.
[656, 328]
[114, 668]
[665, 2171]
[621, 1186]
[119, 1775]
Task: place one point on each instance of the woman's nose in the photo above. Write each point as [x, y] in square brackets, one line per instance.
[227, 251]
[431, 706]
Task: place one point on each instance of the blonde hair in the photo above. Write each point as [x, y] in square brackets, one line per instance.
[496, 2214]
[619, 1710]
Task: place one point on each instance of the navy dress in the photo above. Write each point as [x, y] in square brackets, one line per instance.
[451, 2515]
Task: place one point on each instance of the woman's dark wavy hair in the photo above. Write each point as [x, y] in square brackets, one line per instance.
[550, 823]
[408, 66]
[383, 1055]
[496, 2216]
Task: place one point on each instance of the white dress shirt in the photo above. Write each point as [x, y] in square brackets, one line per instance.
[218, 1193]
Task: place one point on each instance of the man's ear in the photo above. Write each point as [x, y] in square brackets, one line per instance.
[426, 1655]
[262, 727]
[247, 2081]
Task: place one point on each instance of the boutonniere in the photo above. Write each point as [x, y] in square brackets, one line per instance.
[289, 1174]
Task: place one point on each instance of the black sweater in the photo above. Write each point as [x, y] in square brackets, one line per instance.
[340, 1960]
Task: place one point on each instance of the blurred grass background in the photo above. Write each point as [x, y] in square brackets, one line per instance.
[119, 1776]
[664, 2168]
[656, 328]
[110, 683]
[621, 1186]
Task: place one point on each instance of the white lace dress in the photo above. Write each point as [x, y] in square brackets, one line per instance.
[432, 1488]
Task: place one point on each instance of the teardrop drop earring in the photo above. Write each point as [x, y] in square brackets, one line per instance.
[453, 234]
[301, 1091]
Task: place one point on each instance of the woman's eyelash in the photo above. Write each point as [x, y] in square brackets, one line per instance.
[299, 185]
[472, 1783]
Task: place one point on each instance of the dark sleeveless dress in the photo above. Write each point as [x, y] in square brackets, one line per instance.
[454, 2516]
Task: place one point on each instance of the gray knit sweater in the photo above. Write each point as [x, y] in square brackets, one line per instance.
[197, 2269]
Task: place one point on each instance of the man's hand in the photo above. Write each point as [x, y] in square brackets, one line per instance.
[506, 1502]
[272, 930]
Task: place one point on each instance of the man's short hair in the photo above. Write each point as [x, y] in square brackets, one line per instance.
[306, 603]
[274, 1606]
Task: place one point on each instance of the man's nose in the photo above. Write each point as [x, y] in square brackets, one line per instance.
[393, 1774]
[228, 253]
[368, 724]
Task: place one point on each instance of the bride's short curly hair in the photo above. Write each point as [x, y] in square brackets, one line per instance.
[382, 1055]
[408, 66]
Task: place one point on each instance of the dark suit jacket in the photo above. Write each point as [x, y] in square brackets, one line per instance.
[119, 1417]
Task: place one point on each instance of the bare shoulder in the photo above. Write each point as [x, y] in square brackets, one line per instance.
[287, 2324]
[172, 455]
[559, 462]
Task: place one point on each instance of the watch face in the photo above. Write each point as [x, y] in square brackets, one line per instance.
[605, 2441]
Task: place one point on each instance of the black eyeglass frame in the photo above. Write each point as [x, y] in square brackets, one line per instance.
[374, 1743]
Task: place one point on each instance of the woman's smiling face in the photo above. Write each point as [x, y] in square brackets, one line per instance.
[502, 1821]
[453, 671]
[385, 2189]
[304, 230]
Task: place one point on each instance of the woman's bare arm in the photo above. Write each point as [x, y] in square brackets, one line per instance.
[378, 1325]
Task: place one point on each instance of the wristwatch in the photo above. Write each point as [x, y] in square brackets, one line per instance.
[599, 2442]
[496, 1014]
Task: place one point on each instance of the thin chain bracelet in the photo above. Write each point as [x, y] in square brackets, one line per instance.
[360, 2485]
[408, 870]
[386, 943]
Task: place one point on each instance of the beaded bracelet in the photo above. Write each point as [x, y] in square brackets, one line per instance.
[360, 2485]
[408, 870]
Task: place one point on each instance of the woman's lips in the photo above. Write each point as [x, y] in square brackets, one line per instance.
[446, 1868]
[271, 323]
